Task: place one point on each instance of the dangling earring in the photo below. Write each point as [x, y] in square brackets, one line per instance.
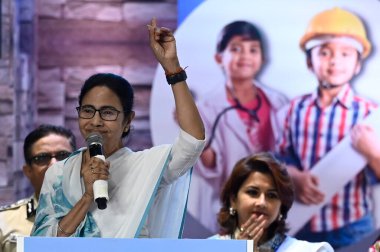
[279, 217]
[232, 211]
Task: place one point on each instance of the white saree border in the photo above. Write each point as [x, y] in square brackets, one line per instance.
[166, 216]
[331, 176]
[134, 183]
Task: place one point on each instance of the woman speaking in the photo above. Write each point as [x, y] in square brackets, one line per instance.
[147, 190]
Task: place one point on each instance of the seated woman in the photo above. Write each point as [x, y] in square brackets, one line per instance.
[255, 202]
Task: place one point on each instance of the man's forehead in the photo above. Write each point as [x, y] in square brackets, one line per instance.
[52, 142]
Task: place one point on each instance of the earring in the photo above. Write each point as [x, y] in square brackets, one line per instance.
[279, 217]
[232, 211]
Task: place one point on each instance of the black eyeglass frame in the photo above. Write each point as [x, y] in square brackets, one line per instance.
[45, 157]
[99, 111]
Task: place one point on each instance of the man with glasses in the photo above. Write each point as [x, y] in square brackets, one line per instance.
[43, 147]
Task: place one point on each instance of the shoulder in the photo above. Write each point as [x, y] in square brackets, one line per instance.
[14, 217]
[214, 99]
[300, 98]
[300, 102]
[15, 205]
[369, 103]
[294, 245]
[14, 221]
[275, 97]
[294, 104]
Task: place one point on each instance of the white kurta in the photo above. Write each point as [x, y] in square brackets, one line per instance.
[291, 244]
[147, 192]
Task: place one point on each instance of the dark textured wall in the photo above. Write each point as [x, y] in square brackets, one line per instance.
[49, 47]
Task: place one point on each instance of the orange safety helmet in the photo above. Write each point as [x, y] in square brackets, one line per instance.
[337, 22]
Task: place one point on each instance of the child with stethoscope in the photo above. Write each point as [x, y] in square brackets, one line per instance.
[240, 118]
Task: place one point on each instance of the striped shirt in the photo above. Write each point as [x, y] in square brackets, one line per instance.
[310, 132]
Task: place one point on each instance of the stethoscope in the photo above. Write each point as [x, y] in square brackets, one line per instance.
[251, 112]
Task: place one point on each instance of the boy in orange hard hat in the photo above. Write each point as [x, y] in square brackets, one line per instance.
[335, 44]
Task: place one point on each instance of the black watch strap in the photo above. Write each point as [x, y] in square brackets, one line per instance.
[177, 77]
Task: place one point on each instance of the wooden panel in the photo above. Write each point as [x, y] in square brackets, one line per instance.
[92, 43]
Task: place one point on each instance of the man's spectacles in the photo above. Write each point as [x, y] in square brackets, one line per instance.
[45, 158]
[106, 113]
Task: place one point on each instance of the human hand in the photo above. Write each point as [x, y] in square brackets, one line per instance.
[96, 169]
[252, 229]
[163, 46]
[365, 140]
[306, 187]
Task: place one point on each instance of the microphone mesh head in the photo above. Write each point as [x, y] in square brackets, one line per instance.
[94, 137]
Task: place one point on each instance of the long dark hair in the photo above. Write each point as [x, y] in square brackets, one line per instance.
[263, 163]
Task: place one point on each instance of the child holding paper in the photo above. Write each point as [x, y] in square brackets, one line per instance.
[336, 45]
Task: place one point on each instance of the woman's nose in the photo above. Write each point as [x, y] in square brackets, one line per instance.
[97, 120]
[261, 200]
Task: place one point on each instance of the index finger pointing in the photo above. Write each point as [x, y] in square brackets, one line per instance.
[151, 27]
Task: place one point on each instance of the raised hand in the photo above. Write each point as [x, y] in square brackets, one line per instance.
[163, 46]
[306, 185]
[366, 141]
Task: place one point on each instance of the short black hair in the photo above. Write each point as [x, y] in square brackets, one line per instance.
[239, 28]
[43, 131]
[120, 86]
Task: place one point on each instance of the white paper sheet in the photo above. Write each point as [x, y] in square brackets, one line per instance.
[334, 171]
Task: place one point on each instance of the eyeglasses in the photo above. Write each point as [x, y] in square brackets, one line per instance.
[106, 113]
[45, 158]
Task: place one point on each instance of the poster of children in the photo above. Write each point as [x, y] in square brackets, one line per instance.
[295, 78]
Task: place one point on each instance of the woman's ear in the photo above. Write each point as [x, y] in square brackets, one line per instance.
[130, 117]
[233, 202]
[128, 121]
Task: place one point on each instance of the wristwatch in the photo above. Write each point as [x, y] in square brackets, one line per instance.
[177, 77]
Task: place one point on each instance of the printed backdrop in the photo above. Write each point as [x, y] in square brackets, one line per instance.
[283, 23]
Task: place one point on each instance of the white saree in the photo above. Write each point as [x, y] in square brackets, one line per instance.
[147, 192]
[291, 244]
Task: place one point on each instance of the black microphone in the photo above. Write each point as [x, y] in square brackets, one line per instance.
[100, 187]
